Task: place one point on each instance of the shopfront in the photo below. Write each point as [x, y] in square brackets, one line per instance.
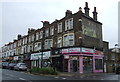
[40, 59]
[86, 61]
[27, 60]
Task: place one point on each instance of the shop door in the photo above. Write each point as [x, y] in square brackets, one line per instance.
[73, 65]
[66, 65]
[87, 64]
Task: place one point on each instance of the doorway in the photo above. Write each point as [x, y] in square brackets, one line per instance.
[74, 64]
[87, 64]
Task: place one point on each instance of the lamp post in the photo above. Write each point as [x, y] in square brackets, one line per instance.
[116, 55]
[40, 58]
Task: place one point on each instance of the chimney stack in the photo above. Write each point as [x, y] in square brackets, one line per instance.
[95, 14]
[68, 13]
[86, 9]
[19, 36]
[45, 23]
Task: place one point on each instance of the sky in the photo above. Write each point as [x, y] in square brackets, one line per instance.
[16, 16]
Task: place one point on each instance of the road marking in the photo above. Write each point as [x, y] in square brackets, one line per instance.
[63, 78]
[56, 77]
[22, 79]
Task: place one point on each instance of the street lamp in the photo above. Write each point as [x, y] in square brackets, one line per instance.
[116, 54]
[40, 58]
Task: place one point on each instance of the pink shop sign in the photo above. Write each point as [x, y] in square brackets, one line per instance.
[74, 50]
[64, 51]
[87, 51]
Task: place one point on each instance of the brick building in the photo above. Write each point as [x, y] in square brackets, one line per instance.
[73, 44]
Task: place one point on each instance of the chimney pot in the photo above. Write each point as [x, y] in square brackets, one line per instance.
[45, 23]
[95, 14]
[86, 9]
[68, 13]
[86, 4]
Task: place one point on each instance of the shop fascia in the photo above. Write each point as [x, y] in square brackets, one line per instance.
[77, 50]
[18, 57]
[36, 56]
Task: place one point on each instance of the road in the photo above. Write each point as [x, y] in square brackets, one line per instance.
[23, 76]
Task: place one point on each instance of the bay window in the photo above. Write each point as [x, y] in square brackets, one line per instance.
[68, 39]
[37, 46]
[59, 42]
[37, 35]
[41, 34]
[48, 43]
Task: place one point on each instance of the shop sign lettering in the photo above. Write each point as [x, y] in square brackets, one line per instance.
[87, 50]
[74, 50]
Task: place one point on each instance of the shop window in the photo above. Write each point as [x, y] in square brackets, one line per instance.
[59, 27]
[98, 64]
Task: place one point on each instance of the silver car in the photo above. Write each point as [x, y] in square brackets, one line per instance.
[20, 66]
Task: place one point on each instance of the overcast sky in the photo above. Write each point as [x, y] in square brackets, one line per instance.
[17, 17]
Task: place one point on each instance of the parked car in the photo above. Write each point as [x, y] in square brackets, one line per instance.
[118, 70]
[11, 65]
[5, 65]
[20, 66]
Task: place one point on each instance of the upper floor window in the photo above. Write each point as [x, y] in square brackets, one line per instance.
[59, 43]
[37, 35]
[71, 40]
[41, 34]
[29, 38]
[68, 40]
[32, 37]
[59, 27]
[69, 24]
[37, 46]
[52, 30]
[46, 32]
[48, 43]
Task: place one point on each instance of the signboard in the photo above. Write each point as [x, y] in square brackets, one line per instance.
[15, 57]
[56, 51]
[37, 56]
[87, 51]
[98, 52]
[74, 50]
[64, 51]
